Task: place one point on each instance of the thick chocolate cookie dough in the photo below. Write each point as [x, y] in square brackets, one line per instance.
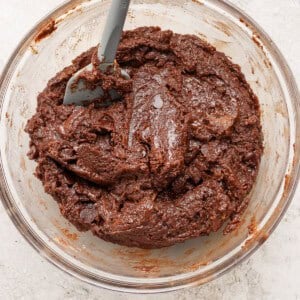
[173, 159]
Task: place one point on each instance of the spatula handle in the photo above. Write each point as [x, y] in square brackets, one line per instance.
[112, 32]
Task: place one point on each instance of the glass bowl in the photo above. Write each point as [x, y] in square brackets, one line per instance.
[73, 28]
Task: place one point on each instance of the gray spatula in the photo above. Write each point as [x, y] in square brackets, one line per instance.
[76, 91]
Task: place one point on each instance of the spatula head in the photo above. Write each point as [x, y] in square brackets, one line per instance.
[79, 93]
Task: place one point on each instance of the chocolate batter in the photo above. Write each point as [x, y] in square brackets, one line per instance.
[173, 159]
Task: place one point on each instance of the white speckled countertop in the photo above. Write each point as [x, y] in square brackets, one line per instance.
[271, 273]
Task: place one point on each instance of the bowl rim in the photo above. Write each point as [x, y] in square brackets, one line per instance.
[290, 184]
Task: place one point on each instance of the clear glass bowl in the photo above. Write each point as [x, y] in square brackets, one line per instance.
[79, 24]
